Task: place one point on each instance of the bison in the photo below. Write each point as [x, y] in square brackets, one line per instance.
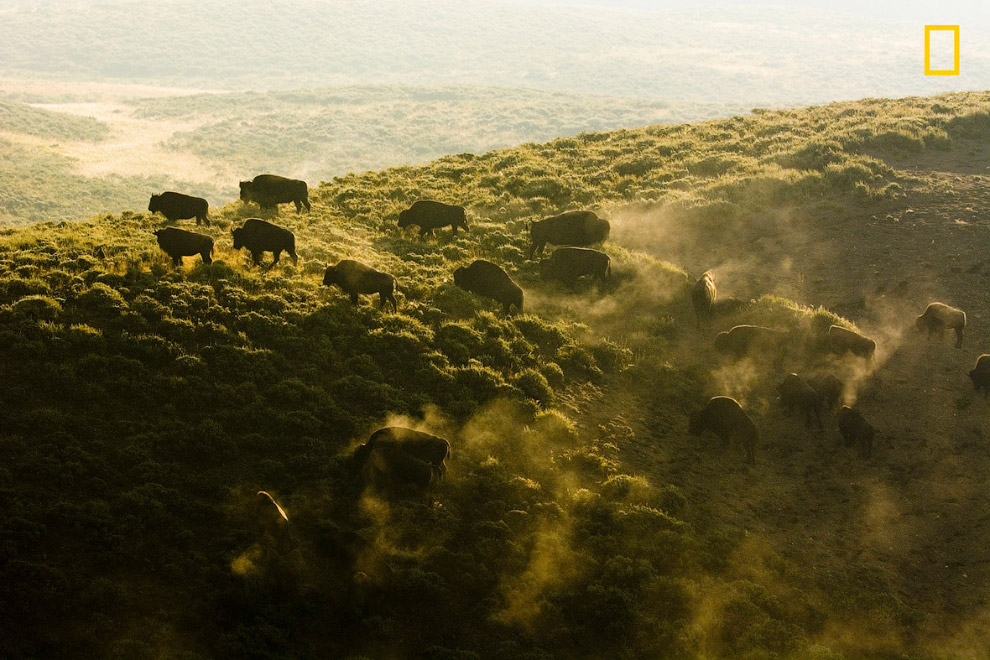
[703, 295]
[567, 264]
[176, 206]
[270, 190]
[840, 340]
[259, 237]
[980, 375]
[724, 417]
[828, 387]
[487, 279]
[430, 448]
[938, 317]
[429, 215]
[354, 278]
[178, 243]
[397, 456]
[571, 228]
[796, 393]
[856, 430]
[741, 340]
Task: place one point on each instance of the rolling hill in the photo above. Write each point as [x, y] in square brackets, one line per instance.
[146, 406]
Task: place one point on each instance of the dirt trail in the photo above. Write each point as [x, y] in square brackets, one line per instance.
[912, 520]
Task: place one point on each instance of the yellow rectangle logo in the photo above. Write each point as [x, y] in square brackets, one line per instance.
[929, 71]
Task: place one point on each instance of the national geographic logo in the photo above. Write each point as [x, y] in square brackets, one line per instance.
[941, 49]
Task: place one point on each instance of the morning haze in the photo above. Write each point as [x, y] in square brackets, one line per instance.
[510, 330]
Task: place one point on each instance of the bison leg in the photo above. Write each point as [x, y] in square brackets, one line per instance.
[305, 202]
[278, 255]
[298, 204]
[177, 261]
[386, 296]
[354, 298]
[959, 337]
[207, 257]
[256, 257]
[295, 257]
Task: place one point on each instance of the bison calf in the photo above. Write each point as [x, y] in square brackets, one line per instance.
[980, 375]
[176, 206]
[570, 228]
[178, 243]
[856, 430]
[724, 417]
[938, 317]
[270, 190]
[355, 278]
[567, 264]
[703, 295]
[259, 237]
[839, 340]
[489, 280]
[796, 393]
[429, 215]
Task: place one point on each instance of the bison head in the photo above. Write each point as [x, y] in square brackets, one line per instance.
[404, 218]
[330, 276]
[460, 276]
[238, 233]
[153, 203]
[245, 191]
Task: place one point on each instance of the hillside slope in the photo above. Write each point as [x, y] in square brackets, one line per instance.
[146, 406]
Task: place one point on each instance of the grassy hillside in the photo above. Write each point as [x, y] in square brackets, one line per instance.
[21, 118]
[317, 134]
[760, 54]
[147, 405]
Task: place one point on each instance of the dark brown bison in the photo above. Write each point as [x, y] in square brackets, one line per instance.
[724, 417]
[856, 430]
[796, 393]
[567, 264]
[703, 295]
[570, 228]
[430, 448]
[980, 375]
[176, 206]
[839, 340]
[487, 279]
[354, 278]
[270, 190]
[178, 243]
[259, 237]
[938, 317]
[741, 340]
[429, 215]
[390, 466]
[828, 387]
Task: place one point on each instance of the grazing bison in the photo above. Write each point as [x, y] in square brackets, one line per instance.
[980, 375]
[828, 387]
[259, 237]
[430, 448]
[703, 295]
[489, 280]
[270, 190]
[840, 340]
[178, 243]
[429, 215]
[176, 206]
[391, 466]
[567, 264]
[570, 228]
[795, 392]
[939, 316]
[743, 339]
[356, 278]
[856, 430]
[724, 417]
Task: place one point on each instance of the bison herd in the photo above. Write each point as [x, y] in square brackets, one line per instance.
[817, 393]
[399, 455]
